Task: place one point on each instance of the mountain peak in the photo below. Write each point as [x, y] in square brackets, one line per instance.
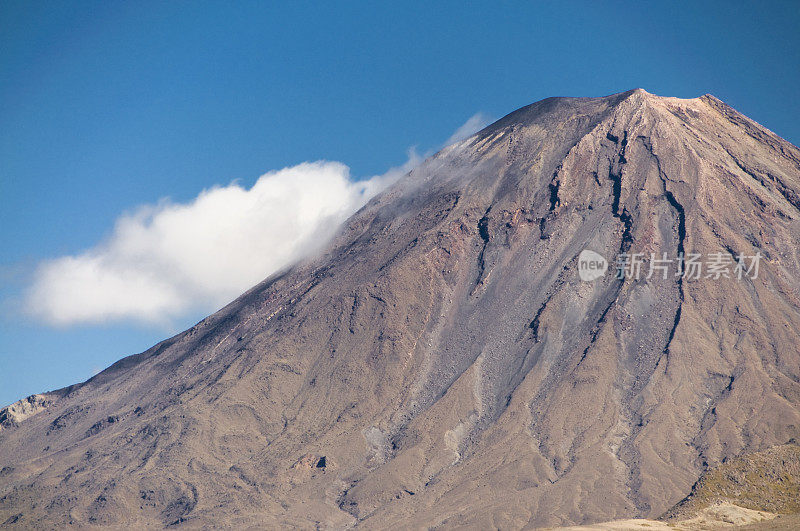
[447, 334]
[550, 112]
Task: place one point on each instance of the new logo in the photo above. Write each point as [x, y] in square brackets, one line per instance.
[591, 265]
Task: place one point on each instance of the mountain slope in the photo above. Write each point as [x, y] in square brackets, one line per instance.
[443, 364]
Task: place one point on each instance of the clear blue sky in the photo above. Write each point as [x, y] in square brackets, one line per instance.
[109, 105]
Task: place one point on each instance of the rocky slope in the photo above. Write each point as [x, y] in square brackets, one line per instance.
[11, 416]
[442, 363]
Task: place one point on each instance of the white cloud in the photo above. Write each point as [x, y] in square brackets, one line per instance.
[163, 261]
[167, 259]
[473, 125]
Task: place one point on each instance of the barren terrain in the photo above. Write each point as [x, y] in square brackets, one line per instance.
[442, 365]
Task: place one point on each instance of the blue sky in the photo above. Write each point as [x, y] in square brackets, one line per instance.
[107, 106]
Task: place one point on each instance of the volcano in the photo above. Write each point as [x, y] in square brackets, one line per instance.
[445, 363]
